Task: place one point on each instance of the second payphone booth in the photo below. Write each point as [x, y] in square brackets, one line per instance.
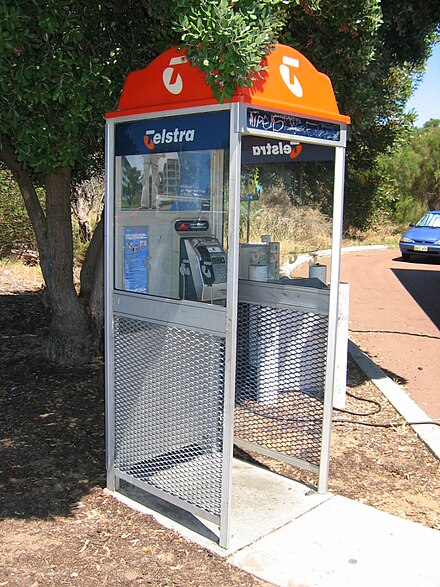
[207, 342]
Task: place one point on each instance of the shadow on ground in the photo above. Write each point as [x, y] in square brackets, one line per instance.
[51, 419]
[422, 284]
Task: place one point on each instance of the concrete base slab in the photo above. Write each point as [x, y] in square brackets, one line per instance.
[343, 542]
[262, 502]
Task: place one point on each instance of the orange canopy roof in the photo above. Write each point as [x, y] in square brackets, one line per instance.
[290, 84]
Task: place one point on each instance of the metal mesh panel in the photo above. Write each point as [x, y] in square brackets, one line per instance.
[280, 376]
[168, 409]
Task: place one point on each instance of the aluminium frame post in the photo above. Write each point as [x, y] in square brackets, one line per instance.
[338, 206]
[112, 481]
[231, 323]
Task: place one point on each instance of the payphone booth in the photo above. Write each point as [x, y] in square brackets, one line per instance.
[208, 342]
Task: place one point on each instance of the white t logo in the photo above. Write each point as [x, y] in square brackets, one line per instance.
[175, 86]
[285, 71]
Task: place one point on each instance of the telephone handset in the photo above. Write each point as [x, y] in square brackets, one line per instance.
[206, 261]
[207, 271]
[184, 268]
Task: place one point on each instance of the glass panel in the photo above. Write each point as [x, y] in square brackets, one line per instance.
[286, 207]
[170, 190]
[282, 325]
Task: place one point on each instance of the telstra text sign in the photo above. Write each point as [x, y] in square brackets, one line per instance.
[196, 132]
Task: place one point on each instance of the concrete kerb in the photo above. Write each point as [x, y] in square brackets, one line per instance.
[407, 408]
[287, 268]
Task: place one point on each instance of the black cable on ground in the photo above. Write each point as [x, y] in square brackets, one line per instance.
[376, 411]
[360, 414]
[390, 425]
[361, 399]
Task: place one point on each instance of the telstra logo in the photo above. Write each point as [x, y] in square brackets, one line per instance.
[292, 149]
[153, 137]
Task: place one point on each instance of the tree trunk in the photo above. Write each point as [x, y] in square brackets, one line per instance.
[70, 340]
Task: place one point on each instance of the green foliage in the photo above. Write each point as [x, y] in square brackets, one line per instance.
[303, 184]
[372, 51]
[408, 210]
[227, 39]
[340, 39]
[426, 182]
[432, 123]
[411, 173]
[410, 28]
[360, 209]
[62, 66]
[16, 229]
[131, 187]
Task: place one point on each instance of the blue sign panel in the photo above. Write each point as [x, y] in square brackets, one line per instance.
[290, 124]
[258, 150]
[195, 132]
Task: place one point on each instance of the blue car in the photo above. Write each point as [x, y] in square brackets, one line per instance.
[423, 238]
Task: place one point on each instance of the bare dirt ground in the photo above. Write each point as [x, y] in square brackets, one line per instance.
[59, 528]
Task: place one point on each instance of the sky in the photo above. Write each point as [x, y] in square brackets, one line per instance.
[426, 99]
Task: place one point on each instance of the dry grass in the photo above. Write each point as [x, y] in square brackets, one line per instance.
[16, 277]
[306, 230]
[299, 230]
[379, 234]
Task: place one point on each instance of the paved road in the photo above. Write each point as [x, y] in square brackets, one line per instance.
[395, 319]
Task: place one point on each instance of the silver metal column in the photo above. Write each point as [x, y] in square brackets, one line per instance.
[108, 306]
[231, 323]
[338, 204]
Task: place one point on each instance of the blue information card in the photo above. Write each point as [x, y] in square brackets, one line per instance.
[136, 259]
